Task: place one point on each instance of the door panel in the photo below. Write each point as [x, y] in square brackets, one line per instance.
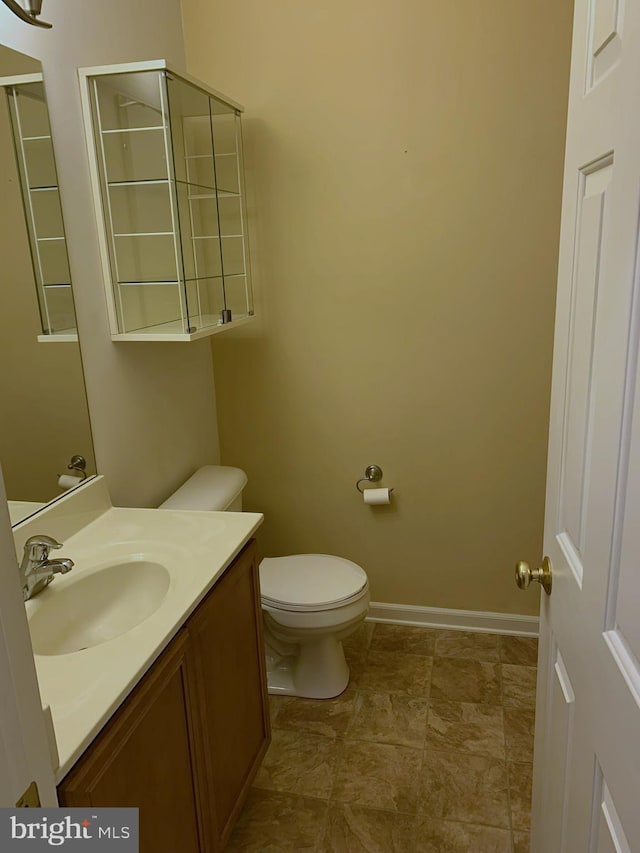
[605, 43]
[559, 739]
[609, 836]
[593, 183]
[622, 618]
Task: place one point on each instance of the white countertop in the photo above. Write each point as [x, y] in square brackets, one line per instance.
[84, 688]
[19, 510]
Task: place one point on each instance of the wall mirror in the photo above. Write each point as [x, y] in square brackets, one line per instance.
[44, 419]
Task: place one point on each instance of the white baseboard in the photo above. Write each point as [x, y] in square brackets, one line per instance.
[461, 620]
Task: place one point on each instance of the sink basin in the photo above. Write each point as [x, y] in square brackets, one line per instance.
[90, 610]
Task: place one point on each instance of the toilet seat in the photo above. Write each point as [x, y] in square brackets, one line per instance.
[310, 582]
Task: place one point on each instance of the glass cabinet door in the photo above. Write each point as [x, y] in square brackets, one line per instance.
[138, 198]
[227, 135]
[194, 166]
[207, 152]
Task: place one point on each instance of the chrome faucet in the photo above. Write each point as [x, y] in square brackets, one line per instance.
[36, 569]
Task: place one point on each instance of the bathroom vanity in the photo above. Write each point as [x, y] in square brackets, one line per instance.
[168, 714]
[184, 747]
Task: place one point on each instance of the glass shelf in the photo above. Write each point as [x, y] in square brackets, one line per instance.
[133, 129]
[174, 330]
[174, 282]
[212, 191]
[201, 156]
[148, 182]
[214, 194]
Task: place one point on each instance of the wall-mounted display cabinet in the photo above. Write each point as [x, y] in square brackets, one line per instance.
[36, 166]
[166, 155]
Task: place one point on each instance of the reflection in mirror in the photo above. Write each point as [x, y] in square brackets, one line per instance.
[41, 199]
[44, 419]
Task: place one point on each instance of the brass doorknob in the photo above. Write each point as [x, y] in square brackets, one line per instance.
[542, 575]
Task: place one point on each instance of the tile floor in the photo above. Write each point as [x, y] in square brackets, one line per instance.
[428, 750]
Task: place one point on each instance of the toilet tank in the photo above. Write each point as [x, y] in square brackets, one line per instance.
[213, 487]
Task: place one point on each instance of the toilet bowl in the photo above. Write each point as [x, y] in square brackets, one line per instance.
[310, 602]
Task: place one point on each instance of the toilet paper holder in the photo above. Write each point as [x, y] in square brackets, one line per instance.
[372, 474]
[78, 464]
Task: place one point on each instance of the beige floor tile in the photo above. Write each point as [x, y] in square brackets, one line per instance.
[274, 706]
[519, 685]
[361, 638]
[353, 829]
[473, 681]
[520, 783]
[357, 662]
[272, 822]
[467, 644]
[396, 672]
[443, 836]
[518, 733]
[299, 764]
[464, 727]
[519, 650]
[468, 788]
[349, 774]
[389, 718]
[379, 776]
[326, 717]
[521, 842]
[401, 638]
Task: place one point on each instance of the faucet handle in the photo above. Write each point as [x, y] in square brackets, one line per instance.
[38, 547]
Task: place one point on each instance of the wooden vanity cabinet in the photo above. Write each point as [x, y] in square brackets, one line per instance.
[142, 758]
[226, 657]
[185, 745]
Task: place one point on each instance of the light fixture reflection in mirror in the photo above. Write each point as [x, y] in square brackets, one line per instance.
[29, 13]
[44, 419]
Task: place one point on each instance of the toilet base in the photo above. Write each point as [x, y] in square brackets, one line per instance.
[318, 670]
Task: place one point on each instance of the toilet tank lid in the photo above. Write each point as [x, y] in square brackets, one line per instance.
[212, 487]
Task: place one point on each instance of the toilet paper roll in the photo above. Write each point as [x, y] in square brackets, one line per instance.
[375, 497]
[68, 481]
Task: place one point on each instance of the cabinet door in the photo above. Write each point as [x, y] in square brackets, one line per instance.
[142, 759]
[226, 666]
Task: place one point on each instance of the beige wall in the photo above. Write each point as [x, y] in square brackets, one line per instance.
[406, 164]
[152, 405]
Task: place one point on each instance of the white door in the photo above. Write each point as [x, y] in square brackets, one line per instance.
[25, 752]
[587, 758]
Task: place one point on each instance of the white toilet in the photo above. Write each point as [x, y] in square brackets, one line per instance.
[310, 602]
